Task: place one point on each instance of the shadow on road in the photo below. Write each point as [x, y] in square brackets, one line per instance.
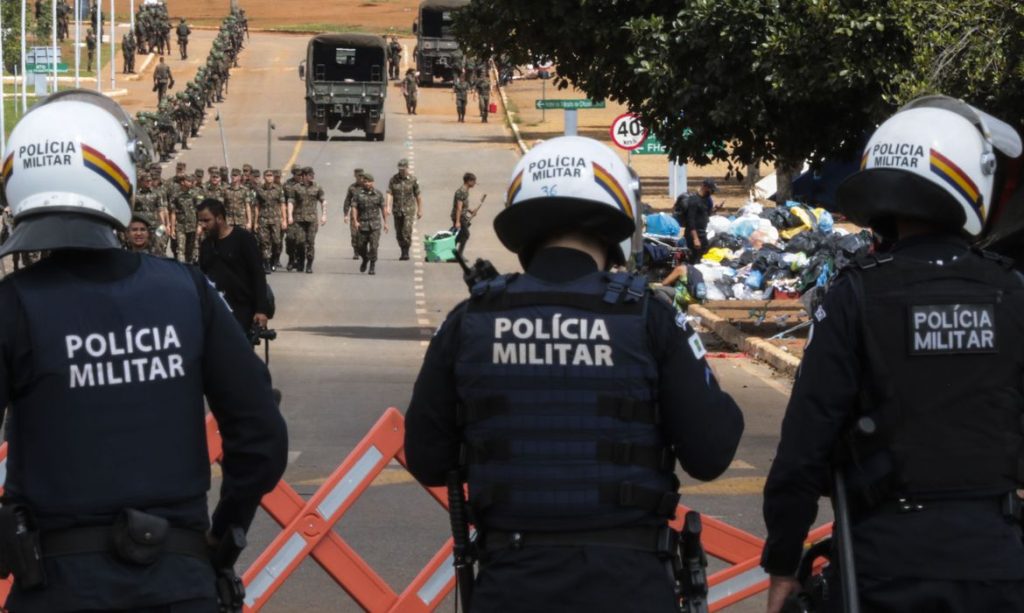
[291, 138]
[381, 333]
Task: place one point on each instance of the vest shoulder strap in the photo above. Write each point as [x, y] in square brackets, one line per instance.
[873, 260]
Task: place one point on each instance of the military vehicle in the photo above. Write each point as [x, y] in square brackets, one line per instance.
[346, 83]
[437, 51]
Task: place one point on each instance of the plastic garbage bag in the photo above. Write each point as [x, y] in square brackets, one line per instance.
[719, 224]
[745, 226]
[807, 242]
[662, 224]
[717, 255]
[715, 291]
[751, 208]
[825, 220]
[755, 280]
[726, 241]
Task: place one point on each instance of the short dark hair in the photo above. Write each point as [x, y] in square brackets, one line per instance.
[216, 207]
[466, 178]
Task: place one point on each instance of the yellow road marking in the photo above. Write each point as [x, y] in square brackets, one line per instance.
[298, 147]
[740, 464]
[388, 476]
[734, 486]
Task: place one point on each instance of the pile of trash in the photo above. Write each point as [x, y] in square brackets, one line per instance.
[779, 252]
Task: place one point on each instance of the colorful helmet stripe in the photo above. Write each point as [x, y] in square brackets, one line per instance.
[608, 183]
[8, 167]
[514, 189]
[956, 178]
[98, 163]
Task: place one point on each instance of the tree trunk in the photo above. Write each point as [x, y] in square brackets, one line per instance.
[785, 172]
[753, 176]
[234, 6]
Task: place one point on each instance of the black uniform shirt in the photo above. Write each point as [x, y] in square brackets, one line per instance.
[234, 264]
[237, 388]
[698, 213]
[702, 422]
[968, 542]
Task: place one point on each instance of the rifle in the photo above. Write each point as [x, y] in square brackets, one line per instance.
[692, 575]
[844, 543]
[462, 548]
[472, 212]
[482, 270]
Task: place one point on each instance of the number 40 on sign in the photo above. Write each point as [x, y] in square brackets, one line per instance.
[628, 132]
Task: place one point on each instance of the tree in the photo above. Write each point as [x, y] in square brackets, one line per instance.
[972, 49]
[11, 35]
[779, 80]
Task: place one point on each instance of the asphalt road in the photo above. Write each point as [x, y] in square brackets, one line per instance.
[350, 345]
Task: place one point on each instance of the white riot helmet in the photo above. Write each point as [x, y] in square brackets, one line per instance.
[933, 160]
[565, 184]
[69, 173]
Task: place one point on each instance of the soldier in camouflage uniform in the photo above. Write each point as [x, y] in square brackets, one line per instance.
[185, 223]
[461, 90]
[150, 205]
[214, 188]
[171, 191]
[406, 204]
[350, 198]
[462, 215]
[271, 218]
[289, 238]
[368, 216]
[303, 203]
[483, 93]
[411, 90]
[237, 202]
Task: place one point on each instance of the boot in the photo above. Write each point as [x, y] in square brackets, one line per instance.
[373, 264]
[267, 267]
[355, 255]
[362, 267]
[309, 266]
[405, 254]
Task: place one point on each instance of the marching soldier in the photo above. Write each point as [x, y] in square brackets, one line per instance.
[405, 202]
[128, 52]
[350, 198]
[483, 93]
[271, 210]
[162, 79]
[368, 217]
[461, 89]
[410, 89]
[183, 33]
[303, 203]
[237, 202]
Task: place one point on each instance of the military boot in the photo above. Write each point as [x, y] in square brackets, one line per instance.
[267, 267]
[362, 267]
[405, 254]
[309, 266]
[373, 265]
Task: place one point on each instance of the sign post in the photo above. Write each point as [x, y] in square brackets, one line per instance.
[570, 107]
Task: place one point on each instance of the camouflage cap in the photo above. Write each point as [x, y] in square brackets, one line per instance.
[223, 170]
[277, 174]
[199, 172]
[153, 166]
[403, 163]
[367, 177]
[213, 170]
[247, 167]
[236, 172]
[181, 166]
[296, 169]
[255, 172]
[142, 220]
[358, 172]
[309, 170]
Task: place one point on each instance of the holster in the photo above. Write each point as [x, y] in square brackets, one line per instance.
[20, 552]
[139, 537]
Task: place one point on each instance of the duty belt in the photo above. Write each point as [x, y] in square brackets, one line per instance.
[1009, 505]
[100, 539]
[659, 540]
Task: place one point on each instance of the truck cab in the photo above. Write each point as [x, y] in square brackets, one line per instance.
[437, 52]
[346, 84]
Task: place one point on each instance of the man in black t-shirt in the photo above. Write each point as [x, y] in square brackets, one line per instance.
[230, 257]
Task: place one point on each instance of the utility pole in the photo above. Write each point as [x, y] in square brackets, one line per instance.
[113, 60]
[78, 44]
[24, 54]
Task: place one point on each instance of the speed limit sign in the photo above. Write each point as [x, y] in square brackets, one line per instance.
[627, 131]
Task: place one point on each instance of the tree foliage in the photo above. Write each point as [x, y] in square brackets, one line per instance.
[780, 80]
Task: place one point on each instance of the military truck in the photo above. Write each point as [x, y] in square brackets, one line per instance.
[346, 84]
[437, 51]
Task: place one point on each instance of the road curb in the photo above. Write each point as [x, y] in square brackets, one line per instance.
[757, 348]
[508, 114]
[137, 76]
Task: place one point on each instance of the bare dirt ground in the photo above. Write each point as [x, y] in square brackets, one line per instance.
[321, 15]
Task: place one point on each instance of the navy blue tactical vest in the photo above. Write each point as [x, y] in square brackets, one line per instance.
[113, 416]
[558, 402]
[945, 352]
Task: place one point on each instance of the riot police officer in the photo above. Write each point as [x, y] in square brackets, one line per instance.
[569, 392]
[915, 375]
[107, 356]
